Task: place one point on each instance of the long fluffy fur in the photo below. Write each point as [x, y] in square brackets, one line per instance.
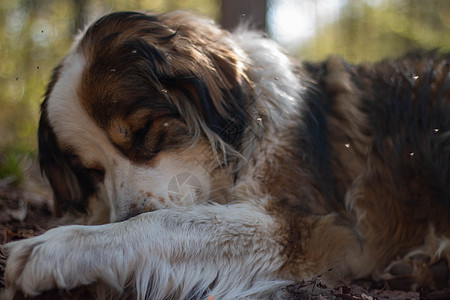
[323, 169]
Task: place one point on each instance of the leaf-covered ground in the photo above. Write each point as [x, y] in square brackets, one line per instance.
[25, 211]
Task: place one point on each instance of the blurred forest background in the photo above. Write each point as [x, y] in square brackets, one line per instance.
[35, 35]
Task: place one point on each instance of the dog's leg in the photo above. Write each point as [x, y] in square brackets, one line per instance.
[167, 252]
[229, 251]
[427, 265]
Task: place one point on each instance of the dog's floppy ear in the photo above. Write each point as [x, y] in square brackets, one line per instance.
[220, 77]
[216, 94]
[228, 117]
[56, 168]
[55, 165]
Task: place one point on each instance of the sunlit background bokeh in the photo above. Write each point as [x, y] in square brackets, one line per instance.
[35, 35]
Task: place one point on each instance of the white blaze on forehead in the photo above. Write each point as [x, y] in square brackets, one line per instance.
[70, 121]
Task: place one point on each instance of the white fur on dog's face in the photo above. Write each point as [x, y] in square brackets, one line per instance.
[127, 188]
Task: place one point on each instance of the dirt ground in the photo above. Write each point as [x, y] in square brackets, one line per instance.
[26, 211]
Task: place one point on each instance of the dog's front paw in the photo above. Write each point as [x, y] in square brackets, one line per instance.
[57, 259]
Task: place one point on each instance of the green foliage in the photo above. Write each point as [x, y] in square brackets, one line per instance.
[33, 34]
[13, 164]
[373, 30]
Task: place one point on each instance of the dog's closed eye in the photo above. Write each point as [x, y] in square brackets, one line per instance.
[95, 175]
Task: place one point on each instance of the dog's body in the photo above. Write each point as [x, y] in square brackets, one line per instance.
[325, 170]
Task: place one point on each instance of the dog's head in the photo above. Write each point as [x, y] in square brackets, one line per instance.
[137, 116]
